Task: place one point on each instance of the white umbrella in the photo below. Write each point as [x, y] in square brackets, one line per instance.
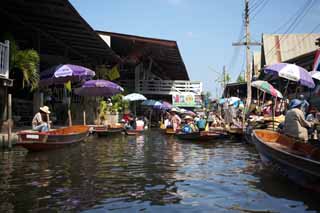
[134, 97]
[315, 75]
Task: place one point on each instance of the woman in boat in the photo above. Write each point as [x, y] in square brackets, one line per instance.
[295, 125]
[189, 126]
[175, 119]
[201, 123]
[267, 109]
[139, 124]
[40, 120]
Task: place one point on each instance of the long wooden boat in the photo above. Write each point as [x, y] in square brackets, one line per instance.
[102, 130]
[299, 161]
[201, 136]
[170, 131]
[133, 132]
[54, 139]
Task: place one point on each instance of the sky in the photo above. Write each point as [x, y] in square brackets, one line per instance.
[203, 29]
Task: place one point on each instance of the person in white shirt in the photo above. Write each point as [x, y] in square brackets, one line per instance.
[40, 120]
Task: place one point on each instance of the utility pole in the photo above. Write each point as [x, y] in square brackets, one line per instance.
[247, 43]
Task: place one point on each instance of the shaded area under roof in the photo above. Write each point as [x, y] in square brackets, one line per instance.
[57, 28]
[164, 53]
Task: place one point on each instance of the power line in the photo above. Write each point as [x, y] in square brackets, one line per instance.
[304, 10]
[264, 4]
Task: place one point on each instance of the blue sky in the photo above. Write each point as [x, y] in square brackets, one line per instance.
[204, 31]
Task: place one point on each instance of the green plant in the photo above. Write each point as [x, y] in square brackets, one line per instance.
[118, 104]
[23, 62]
[27, 61]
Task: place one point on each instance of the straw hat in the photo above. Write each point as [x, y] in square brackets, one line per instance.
[269, 103]
[188, 117]
[174, 110]
[45, 109]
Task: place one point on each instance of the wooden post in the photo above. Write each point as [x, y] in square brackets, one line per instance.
[69, 117]
[84, 118]
[3, 141]
[69, 111]
[48, 120]
[9, 120]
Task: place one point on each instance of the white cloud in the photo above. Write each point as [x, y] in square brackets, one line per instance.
[190, 34]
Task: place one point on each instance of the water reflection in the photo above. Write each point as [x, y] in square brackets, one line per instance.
[151, 172]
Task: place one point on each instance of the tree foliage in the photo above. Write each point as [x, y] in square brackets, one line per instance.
[27, 62]
[240, 79]
[24, 63]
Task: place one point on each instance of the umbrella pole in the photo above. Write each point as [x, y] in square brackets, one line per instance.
[150, 116]
[135, 108]
[84, 118]
[69, 111]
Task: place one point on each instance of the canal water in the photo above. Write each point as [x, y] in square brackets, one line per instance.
[148, 173]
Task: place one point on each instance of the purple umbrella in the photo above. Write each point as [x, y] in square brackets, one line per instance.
[164, 106]
[291, 72]
[61, 74]
[98, 88]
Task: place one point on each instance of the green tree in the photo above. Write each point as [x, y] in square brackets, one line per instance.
[25, 63]
[240, 79]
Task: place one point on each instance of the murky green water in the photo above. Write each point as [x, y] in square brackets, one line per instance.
[152, 173]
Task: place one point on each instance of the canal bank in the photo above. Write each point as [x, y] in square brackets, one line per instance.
[152, 173]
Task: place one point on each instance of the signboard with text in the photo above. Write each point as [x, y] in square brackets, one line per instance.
[185, 100]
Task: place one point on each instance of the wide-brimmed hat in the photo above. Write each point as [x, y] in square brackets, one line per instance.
[188, 117]
[269, 103]
[173, 110]
[45, 109]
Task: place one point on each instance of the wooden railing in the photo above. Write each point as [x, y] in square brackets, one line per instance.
[4, 59]
[164, 87]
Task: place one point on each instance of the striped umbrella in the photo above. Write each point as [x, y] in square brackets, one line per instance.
[267, 88]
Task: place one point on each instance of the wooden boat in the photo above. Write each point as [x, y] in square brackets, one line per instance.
[299, 161]
[54, 139]
[201, 136]
[170, 131]
[133, 132]
[102, 130]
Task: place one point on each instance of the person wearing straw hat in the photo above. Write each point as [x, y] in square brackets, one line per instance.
[40, 120]
[189, 126]
[175, 119]
[295, 125]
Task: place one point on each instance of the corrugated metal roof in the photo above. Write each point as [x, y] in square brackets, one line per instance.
[256, 63]
[165, 53]
[282, 47]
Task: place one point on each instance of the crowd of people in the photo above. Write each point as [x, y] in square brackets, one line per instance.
[300, 119]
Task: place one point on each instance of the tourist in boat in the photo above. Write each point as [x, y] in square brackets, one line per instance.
[267, 109]
[175, 119]
[210, 118]
[305, 104]
[189, 126]
[40, 120]
[201, 123]
[139, 124]
[295, 124]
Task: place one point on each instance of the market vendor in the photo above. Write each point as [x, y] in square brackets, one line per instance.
[40, 120]
[189, 126]
[295, 125]
[175, 119]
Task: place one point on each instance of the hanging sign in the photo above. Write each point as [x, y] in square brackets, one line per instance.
[184, 100]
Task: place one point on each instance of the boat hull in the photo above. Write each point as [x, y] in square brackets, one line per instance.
[201, 136]
[299, 169]
[105, 131]
[133, 132]
[56, 139]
